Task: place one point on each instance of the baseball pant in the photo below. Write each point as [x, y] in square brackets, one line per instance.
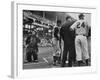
[81, 47]
[56, 47]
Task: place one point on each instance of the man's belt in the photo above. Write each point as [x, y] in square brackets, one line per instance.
[80, 34]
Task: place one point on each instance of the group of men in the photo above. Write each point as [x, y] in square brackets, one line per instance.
[74, 36]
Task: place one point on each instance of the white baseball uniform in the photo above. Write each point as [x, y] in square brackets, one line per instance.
[56, 46]
[81, 45]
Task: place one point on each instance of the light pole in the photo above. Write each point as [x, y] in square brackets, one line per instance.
[43, 14]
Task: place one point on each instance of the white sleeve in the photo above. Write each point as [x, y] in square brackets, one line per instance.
[74, 25]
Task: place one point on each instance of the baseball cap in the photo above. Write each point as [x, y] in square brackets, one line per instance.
[81, 15]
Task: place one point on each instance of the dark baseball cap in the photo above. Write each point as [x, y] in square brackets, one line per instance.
[81, 15]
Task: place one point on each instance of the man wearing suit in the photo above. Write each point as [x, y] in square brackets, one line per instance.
[68, 38]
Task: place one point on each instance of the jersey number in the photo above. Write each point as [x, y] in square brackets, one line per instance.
[82, 25]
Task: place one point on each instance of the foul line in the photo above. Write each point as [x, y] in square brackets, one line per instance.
[45, 60]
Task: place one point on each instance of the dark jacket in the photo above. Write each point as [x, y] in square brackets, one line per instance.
[56, 32]
[33, 42]
[66, 34]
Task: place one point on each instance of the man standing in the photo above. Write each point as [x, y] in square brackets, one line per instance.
[68, 38]
[56, 43]
[81, 45]
[33, 48]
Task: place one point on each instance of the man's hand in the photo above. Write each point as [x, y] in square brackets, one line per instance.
[71, 29]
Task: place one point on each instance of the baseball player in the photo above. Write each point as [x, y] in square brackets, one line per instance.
[81, 45]
[32, 48]
[56, 43]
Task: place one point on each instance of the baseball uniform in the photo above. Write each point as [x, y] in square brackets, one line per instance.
[81, 45]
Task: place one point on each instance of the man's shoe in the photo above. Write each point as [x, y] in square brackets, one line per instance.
[35, 61]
